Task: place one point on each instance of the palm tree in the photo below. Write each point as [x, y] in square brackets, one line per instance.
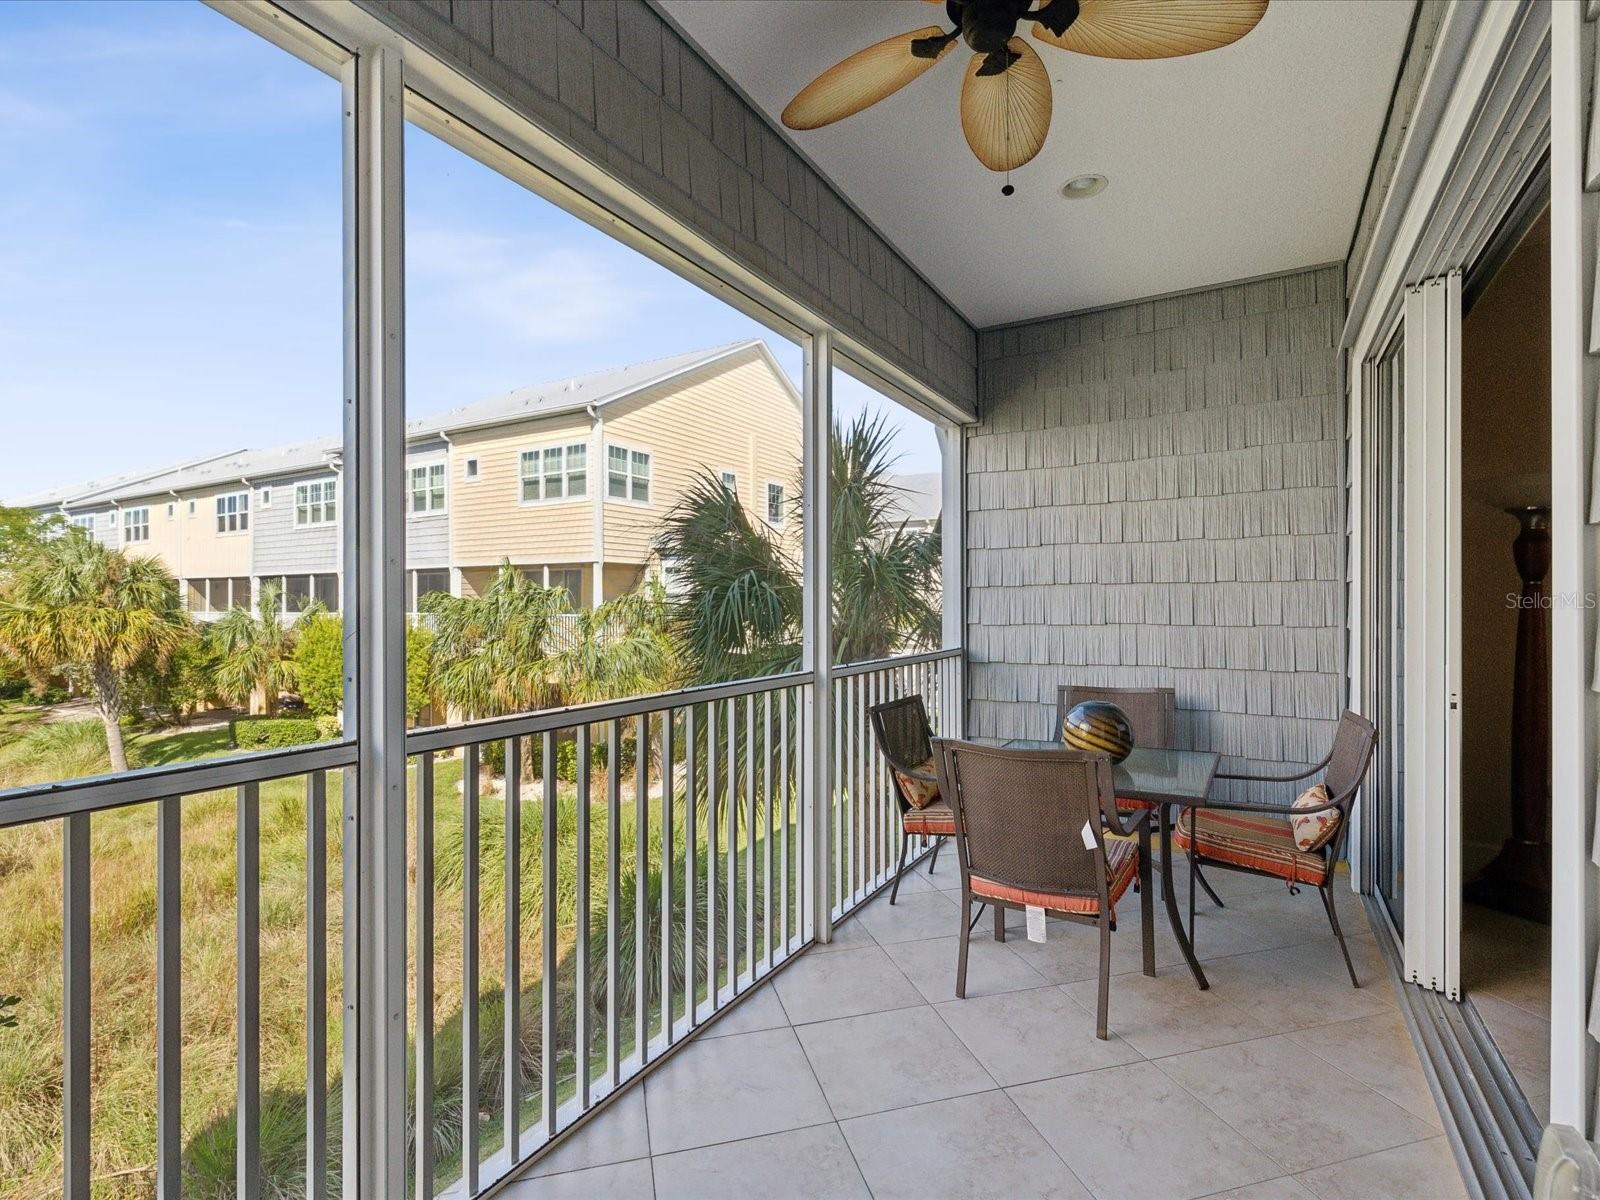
[490, 650]
[619, 648]
[255, 652]
[739, 612]
[73, 606]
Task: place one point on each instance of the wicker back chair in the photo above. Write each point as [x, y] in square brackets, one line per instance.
[1153, 712]
[1258, 839]
[1030, 834]
[905, 740]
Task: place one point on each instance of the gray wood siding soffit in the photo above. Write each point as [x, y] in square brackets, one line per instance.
[617, 83]
[1155, 498]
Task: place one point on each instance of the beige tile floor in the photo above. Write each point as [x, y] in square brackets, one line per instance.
[1505, 972]
[856, 1073]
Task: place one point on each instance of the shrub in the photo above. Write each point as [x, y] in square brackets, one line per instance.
[273, 733]
[319, 663]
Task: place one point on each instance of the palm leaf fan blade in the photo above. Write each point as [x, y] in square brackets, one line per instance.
[1145, 29]
[1006, 117]
[861, 80]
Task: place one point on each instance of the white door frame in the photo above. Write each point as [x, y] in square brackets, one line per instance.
[1432, 456]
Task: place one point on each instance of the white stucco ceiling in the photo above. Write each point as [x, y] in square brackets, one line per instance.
[1225, 165]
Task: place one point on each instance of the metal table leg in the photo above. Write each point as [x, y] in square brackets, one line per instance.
[1171, 899]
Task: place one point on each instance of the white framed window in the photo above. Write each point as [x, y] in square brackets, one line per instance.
[172, 509]
[775, 503]
[425, 486]
[265, 499]
[85, 523]
[425, 583]
[730, 480]
[191, 508]
[315, 503]
[135, 525]
[554, 473]
[627, 474]
[233, 512]
[469, 469]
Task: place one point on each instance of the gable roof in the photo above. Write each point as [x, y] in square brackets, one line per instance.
[573, 393]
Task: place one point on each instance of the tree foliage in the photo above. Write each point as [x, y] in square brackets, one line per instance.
[738, 612]
[71, 605]
[255, 652]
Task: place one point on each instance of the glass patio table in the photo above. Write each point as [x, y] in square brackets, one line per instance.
[1168, 779]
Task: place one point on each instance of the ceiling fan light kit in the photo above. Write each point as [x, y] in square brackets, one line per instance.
[1006, 99]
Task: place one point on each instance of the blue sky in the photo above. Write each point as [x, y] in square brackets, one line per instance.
[170, 242]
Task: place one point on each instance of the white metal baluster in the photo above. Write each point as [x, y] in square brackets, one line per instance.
[732, 833]
[169, 998]
[469, 971]
[712, 853]
[691, 867]
[247, 1109]
[772, 832]
[580, 957]
[783, 798]
[613, 893]
[547, 937]
[750, 833]
[317, 985]
[424, 1000]
[511, 983]
[857, 801]
[641, 884]
[667, 851]
[76, 987]
[840, 848]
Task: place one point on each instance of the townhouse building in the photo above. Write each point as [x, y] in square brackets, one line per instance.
[567, 480]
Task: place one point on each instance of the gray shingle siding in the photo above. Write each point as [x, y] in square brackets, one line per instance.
[278, 547]
[616, 82]
[1155, 498]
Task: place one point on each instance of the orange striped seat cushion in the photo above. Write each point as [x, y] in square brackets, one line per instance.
[1122, 864]
[937, 820]
[1263, 841]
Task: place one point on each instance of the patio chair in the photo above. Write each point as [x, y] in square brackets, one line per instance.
[1030, 828]
[1259, 839]
[1153, 713]
[905, 740]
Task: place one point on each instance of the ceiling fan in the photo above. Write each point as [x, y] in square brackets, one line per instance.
[1005, 101]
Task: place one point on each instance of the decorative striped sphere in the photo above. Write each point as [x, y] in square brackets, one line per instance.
[1100, 726]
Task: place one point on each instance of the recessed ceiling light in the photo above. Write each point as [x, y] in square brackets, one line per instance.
[1084, 186]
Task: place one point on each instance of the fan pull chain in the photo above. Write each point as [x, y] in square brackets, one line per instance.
[1008, 189]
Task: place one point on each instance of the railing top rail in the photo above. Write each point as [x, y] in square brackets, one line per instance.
[901, 660]
[449, 737]
[96, 793]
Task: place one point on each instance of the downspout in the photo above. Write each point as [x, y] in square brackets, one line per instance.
[598, 473]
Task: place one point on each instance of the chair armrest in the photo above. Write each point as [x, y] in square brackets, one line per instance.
[1272, 778]
[1127, 823]
[1337, 802]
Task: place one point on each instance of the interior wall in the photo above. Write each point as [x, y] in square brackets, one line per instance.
[616, 82]
[1505, 438]
[1155, 498]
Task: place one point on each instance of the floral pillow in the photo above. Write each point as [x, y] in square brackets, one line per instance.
[1312, 832]
[920, 792]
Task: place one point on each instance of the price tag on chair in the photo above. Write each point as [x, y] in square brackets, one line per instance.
[1035, 923]
[1088, 836]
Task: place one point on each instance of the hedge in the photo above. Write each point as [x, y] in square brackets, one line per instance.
[273, 733]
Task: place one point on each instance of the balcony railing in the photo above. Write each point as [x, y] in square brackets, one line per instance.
[588, 886]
